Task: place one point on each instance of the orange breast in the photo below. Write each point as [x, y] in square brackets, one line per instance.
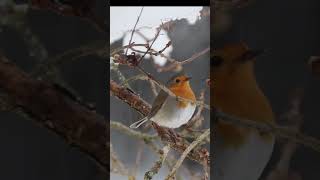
[184, 91]
[252, 106]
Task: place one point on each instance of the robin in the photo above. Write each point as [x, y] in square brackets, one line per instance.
[168, 111]
[239, 153]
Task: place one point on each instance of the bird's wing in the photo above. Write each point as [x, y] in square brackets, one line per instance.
[158, 102]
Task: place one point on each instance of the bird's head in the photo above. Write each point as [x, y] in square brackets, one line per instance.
[180, 86]
[233, 61]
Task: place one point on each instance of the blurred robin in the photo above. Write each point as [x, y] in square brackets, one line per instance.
[168, 111]
[239, 153]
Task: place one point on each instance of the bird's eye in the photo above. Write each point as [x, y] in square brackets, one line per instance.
[216, 61]
[177, 80]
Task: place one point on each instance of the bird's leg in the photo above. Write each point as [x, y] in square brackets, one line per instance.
[173, 135]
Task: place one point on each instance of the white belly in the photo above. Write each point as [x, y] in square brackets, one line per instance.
[171, 116]
[245, 163]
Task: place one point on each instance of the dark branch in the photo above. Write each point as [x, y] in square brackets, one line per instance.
[49, 107]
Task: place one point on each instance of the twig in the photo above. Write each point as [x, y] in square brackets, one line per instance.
[143, 36]
[206, 173]
[150, 52]
[134, 28]
[158, 164]
[155, 38]
[186, 152]
[283, 132]
[134, 78]
[120, 127]
[181, 63]
[154, 53]
[117, 50]
[139, 156]
[122, 78]
[117, 165]
[294, 116]
[167, 45]
[132, 45]
[146, 138]
[95, 47]
[195, 56]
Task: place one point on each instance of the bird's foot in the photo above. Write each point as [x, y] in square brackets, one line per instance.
[173, 135]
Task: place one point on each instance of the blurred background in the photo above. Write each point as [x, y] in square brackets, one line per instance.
[28, 37]
[189, 33]
[289, 33]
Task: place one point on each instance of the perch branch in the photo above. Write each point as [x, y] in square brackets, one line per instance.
[120, 127]
[134, 101]
[51, 108]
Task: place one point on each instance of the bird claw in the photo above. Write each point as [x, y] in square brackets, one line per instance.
[173, 135]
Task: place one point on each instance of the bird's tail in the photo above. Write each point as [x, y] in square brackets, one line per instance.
[139, 123]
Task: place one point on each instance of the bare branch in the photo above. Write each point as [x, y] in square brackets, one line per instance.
[158, 164]
[117, 166]
[133, 100]
[150, 46]
[283, 132]
[117, 50]
[134, 28]
[51, 108]
[139, 156]
[120, 127]
[282, 168]
[186, 152]
[181, 63]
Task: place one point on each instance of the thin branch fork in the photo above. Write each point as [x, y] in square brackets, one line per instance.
[150, 46]
[134, 28]
[200, 155]
[52, 109]
[117, 50]
[185, 153]
[180, 63]
[151, 51]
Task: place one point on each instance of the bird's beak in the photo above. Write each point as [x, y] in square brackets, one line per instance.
[252, 54]
[188, 78]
